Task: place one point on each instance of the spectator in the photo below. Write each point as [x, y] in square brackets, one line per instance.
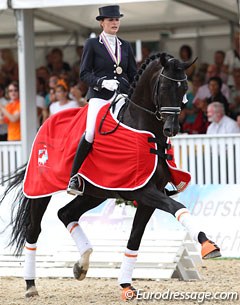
[78, 93]
[49, 60]
[9, 67]
[218, 61]
[201, 123]
[220, 123]
[235, 94]
[11, 113]
[41, 86]
[146, 52]
[232, 59]
[65, 75]
[76, 66]
[3, 99]
[3, 81]
[63, 102]
[215, 85]
[202, 68]
[189, 111]
[43, 73]
[3, 126]
[238, 119]
[185, 54]
[203, 91]
[57, 65]
[50, 97]
[41, 108]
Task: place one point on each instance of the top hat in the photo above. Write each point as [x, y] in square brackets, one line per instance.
[111, 11]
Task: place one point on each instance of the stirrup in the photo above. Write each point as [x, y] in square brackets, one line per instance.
[74, 191]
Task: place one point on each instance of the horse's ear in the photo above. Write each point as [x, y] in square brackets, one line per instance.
[164, 59]
[187, 64]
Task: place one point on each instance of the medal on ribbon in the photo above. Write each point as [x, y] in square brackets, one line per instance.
[119, 70]
[115, 57]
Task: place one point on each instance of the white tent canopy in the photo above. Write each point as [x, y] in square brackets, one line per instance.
[40, 17]
[79, 16]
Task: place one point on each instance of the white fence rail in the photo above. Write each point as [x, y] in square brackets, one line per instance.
[209, 159]
[10, 158]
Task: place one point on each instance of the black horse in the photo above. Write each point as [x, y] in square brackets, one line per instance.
[153, 104]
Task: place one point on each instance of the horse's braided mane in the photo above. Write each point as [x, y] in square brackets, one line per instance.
[143, 67]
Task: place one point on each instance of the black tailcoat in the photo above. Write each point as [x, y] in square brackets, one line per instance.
[97, 65]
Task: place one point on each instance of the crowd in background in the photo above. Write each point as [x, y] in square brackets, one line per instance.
[213, 94]
[217, 83]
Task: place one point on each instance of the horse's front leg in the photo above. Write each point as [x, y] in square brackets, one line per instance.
[152, 197]
[70, 215]
[141, 218]
[37, 209]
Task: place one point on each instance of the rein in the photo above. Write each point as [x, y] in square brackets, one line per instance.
[112, 105]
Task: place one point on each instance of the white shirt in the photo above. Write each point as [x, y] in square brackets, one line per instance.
[3, 127]
[203, 92]
[224, 126]
[112, 41]
[56, 106]
[40, 101]
[232, 61]
[3, 101]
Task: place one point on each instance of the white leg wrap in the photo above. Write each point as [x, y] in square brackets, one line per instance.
[127, 266]
[29, 269]
[189, 222]
[79, 237]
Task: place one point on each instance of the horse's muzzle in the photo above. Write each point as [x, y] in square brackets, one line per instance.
[171, 126]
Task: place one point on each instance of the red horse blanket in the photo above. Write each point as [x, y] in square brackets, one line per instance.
[118, 161]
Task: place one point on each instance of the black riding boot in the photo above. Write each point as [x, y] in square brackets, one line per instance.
[75, 182]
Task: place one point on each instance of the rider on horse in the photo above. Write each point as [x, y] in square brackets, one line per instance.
[107, 64]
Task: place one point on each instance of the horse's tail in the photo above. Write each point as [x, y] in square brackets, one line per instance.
[14, 182]
[19, 222]
[20, 210]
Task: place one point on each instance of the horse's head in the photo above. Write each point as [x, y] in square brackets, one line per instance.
[169, 93]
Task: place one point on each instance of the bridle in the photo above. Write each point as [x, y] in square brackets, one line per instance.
[158, 113]
[160, 110]
[165, 110]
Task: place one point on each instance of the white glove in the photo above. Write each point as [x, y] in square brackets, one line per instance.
[185, 100]
[110, 84]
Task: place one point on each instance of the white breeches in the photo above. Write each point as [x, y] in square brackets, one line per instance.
[94, 105]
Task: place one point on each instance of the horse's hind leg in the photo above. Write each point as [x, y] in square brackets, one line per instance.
[37, 209]
[70, 215]
[141, 218]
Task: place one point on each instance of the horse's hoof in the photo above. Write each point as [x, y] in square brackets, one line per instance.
[80, 268]
[210, 250]
[31, 292]
[129, 293]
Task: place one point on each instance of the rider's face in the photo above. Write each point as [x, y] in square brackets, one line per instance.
[110, 25]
